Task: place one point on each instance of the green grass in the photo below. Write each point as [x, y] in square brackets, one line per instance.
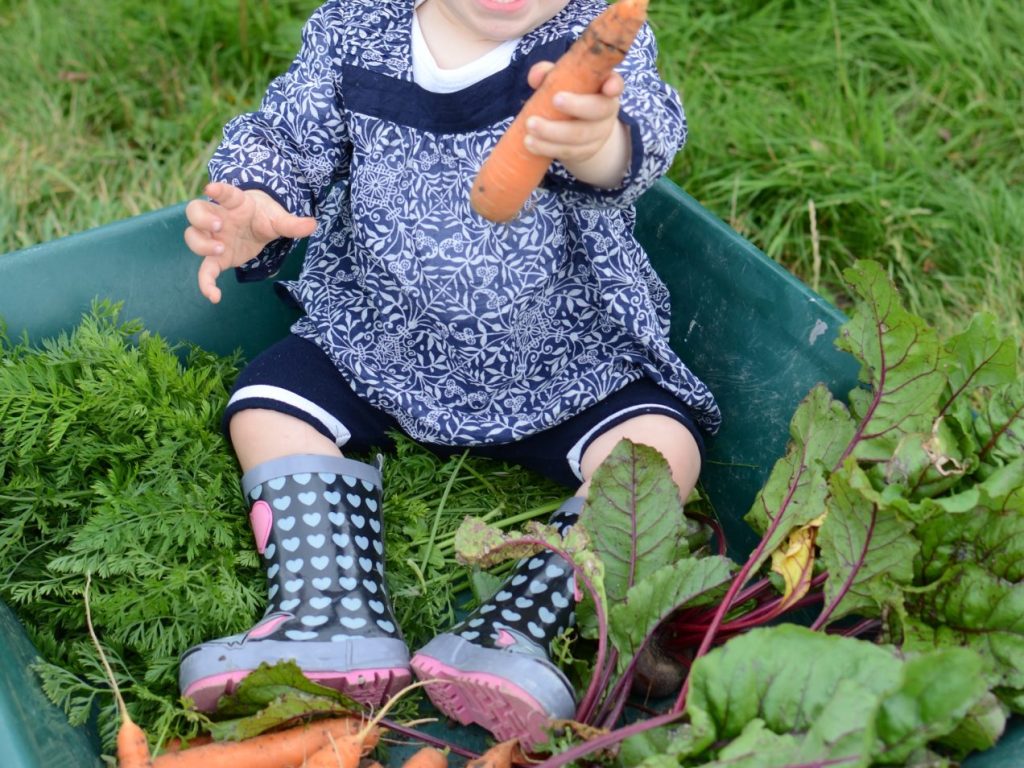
[821, 131]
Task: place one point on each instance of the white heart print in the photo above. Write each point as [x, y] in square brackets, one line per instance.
[285, 523]
[281, 503]
[321, 582]
[308, 498]
[352, 603]
[277, 483]
[302, 478]
[332, 497]
[315, 540]
[341, 539]
[291, 544]
[294, 585]
[311, 519]
[319, 562]
[319, 603]
[294, 565]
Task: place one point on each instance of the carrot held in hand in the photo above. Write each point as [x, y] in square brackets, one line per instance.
[512, 172]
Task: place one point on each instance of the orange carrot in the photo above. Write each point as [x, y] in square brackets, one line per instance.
[427, 757]
[177, 745]
[501, 755]
[289, 748]
[338, 753]
[132, 745]
[512, 172]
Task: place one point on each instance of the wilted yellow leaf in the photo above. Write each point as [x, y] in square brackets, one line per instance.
[794, 561]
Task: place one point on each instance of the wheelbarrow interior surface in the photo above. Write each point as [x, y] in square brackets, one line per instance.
[754, 333]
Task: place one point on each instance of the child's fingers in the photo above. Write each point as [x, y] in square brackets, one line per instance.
[204, 216]
[225, 195]
[209, 271]
[202, 243]
[538, 72]
[591, 107]
[293, 227]
[565, 138]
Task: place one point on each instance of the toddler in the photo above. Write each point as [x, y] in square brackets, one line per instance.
[542, 341]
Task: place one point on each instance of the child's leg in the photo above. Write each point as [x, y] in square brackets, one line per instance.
[316, 519]
[259, 435]
[496, 664]
[674, 441]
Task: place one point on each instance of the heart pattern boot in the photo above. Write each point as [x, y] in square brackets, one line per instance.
[494, 668]
[317, 525]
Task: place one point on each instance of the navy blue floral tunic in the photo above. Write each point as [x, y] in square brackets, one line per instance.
[468, 332]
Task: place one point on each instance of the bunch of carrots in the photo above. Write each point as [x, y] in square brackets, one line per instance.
[340, 742]
[337, 742]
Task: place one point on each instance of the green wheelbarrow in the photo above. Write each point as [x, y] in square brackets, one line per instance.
[758, 337]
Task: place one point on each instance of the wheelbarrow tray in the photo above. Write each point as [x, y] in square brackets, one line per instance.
[754, 333]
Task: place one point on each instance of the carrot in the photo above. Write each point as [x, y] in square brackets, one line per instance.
[512, 172]
[501, 755]
[342, 753]
[345, 738]
[427, 757]
[282, 749]
[177, 745]
[132, 746]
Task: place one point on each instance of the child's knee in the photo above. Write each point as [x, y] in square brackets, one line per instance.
[672, 439]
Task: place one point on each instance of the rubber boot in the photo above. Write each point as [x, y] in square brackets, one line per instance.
[495, 666]
[317, 524]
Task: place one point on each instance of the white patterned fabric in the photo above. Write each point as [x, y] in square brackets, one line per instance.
[467, 332]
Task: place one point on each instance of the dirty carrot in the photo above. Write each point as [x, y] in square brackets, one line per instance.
[338, 753]
[427, 757]
[512, 172]
[289, 748]
[132, 746]
[177, 745]
[346, 753]
[501, 755]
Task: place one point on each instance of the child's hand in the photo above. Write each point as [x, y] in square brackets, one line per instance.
[593, 144]
[234, 228]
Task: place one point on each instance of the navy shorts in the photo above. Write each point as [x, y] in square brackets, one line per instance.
[296, 377]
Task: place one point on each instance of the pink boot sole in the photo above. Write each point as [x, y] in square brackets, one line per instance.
[491, 702]
[367, 686]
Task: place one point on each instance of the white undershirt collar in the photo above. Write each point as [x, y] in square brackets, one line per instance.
[428, 75]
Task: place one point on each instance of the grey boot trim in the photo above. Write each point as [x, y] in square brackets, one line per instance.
[309, 462]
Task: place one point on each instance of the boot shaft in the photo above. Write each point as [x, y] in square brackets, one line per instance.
[318, 526]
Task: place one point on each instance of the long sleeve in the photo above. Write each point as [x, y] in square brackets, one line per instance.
[653, 111]
[296, 145]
